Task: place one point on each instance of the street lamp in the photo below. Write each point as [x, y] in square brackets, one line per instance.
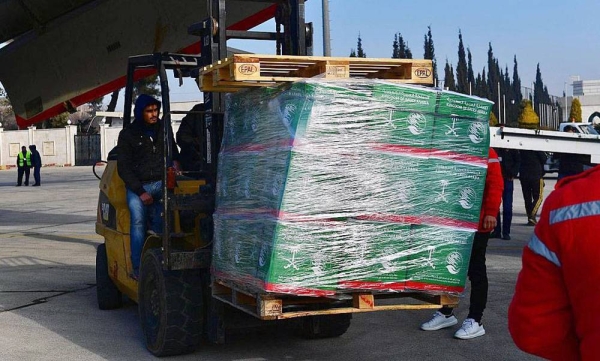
[565, 118]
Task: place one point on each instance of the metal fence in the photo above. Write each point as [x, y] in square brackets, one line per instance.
[87, 149]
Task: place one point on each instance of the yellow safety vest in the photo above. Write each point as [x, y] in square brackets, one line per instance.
[26, 159]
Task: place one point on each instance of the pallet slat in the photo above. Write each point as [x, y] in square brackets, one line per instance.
[272, 307]
[243, 71]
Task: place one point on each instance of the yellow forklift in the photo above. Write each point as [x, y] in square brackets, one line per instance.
[174, 290]
[180, 302]
[170, 288]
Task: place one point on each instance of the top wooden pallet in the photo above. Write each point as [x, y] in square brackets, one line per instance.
[251, 70]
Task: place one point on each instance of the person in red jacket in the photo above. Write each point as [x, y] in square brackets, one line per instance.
[492, 197]
[552, 311]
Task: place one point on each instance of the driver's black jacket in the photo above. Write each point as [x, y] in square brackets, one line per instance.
[140, 154]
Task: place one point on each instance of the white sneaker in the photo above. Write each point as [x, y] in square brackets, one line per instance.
[439, 321]
[470, 329]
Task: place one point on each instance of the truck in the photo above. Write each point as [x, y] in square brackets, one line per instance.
[586, 142]
[580, 127]
[180, 301]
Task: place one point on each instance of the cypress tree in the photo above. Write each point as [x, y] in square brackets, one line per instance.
[470, 74]
[516, 83]
[485, 89]
[429, 52]
[493, 79]
[449, 77]
[403, 49]
[359, 49]
[395, 51]
[477, 90]
[462, 81]
[538, 90]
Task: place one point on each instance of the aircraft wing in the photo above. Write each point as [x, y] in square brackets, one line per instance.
[69, 52]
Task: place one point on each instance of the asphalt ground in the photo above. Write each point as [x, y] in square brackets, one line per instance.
[48, 308]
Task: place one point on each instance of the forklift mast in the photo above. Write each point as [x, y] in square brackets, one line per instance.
[295, 39]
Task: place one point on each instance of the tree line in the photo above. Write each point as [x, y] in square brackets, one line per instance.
[493, 82]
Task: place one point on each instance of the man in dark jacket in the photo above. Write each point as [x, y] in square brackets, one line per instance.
[510, 160]
[140, 165]
[531, 175]
[570, 164]
[36, 163]
[190, 137]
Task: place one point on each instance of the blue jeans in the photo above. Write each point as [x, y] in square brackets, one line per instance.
[503, 228]
[140, 215]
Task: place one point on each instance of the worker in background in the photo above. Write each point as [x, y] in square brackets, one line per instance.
[472, 326]
[140, 165]
[23, 166]
[551, 314]
[190, 137]
[531, 173]
[570, 164]
[510, 160]
[36, 162]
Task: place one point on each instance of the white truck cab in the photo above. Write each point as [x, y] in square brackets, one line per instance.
[583, 128]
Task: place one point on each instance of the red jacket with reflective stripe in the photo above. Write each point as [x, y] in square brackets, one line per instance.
[492, 193]
[554, 312]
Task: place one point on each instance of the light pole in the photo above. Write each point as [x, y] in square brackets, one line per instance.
[326, 32]
[565, 118]
[504, 105]
[499, 104]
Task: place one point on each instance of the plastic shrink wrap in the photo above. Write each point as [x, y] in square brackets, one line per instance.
[328, 187]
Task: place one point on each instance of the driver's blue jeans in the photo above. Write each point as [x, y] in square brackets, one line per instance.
[140, 215]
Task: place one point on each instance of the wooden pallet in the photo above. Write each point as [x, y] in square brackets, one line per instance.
[277, 306]
[251, 70]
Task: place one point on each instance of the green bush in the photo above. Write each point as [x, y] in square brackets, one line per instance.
[528, 119]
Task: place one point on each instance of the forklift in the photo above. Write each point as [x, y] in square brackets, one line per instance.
[174, 291]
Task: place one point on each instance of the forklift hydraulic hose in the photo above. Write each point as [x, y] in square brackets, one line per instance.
[94, 167]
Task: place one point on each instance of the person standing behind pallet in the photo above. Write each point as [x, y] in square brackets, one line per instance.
[551, 314]
[140, 165]
[23, 166]
[510, 160]
[570, 164]
[531, 175]
[472, 326]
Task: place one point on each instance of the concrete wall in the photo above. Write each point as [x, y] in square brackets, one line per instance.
[56, 146]
[110, 135]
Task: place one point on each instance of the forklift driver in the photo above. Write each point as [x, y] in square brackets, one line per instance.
[140, 165]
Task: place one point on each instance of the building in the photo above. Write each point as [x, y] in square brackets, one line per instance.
[588, 93]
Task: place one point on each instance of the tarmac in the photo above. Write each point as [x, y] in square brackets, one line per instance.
[48, 308]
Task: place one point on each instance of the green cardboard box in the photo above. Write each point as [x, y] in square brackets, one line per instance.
[331, 186]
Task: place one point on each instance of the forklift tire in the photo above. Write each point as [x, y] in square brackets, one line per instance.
[109, 296]
[327, 326]
[170, 307]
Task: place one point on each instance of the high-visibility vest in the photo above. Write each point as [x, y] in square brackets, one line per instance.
[26, 159]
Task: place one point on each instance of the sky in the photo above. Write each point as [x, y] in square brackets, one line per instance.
[562, 36]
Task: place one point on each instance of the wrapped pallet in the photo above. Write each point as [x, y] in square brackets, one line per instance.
[327, 187]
